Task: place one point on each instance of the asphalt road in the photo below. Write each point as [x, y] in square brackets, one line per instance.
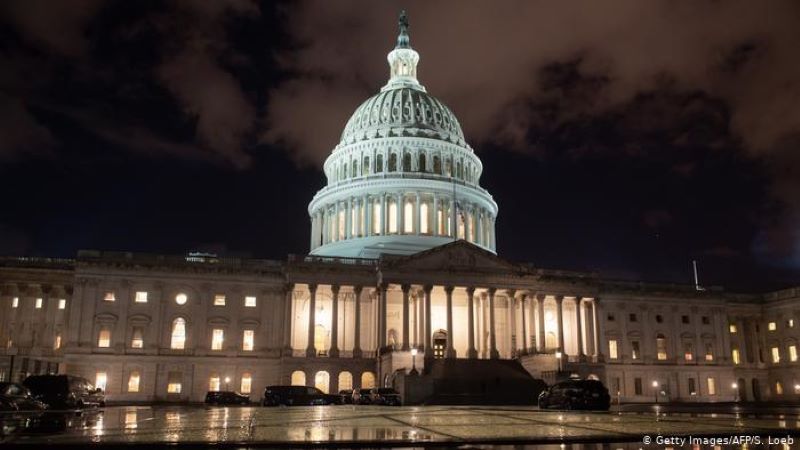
[375, 426]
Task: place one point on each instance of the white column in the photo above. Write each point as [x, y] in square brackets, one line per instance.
[493, 353]
[401, 211]
[524, 330]
[368, 215]
[382, 316]
[334, 351]
[406, 317]
[311, 350]
[384, 215]
[435, 220]
[428, 345]
[511, 323]
[472, 353]
[451, 352]
[560, 321]
[579, 327]
[348, 219]
[418, 221]
[357, 333]
[540, 338]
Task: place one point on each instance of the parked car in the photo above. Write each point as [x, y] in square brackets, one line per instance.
[64, 391]
[576, 394]
[298, 395]
[385, 396]
[362, 396]
[347, 396]
[226, 398]
[16, 397]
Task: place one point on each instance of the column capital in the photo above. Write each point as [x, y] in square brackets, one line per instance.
[559, 299]
[511, 292]
[470, 290]
[405, 288]
[383, 287]
[578, 298]
[312, 287]
[335, 289]
[427, 288]
[358, 289]
[491, 291]
[540, 296]
[449, 289]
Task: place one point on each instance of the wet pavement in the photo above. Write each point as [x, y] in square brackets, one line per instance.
[353, 426]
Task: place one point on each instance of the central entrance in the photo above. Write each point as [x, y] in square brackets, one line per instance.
[439, 343]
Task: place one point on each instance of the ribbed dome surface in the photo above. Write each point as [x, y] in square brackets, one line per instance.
[402, 112]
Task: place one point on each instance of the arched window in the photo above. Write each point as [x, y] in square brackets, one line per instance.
[178, 341]
[392, 163]
[408, 217]
[423, 219]
[298, 378]
[379, 164]
[322, 381]
[354, 172]
[367, 380]
[421, 164]
[459, 172]
[661, 347]
[345, 380]
[365, 166]
[407, 162]
[437, 165]
[448, 167]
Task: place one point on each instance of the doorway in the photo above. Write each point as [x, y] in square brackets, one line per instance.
[439, 343]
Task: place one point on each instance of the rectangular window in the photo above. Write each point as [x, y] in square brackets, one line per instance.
[247, 383]
[612, 349]
[661, 348]
[793, 353]
[688, 351]
[62, 303]
[692, 387]
[250, 302]
[685, 319]
[776, 355]
[137, 337]
[213, 383]
[711, 383]
[632, 317]
[790, 323]
[376, 218]
[174, 381]
[219, 300]
[735, 356]
[15, 302]
[104, 338]
[141, 297]
[217, 336]
[247, 340]
[637, 386]
[772, 326]
[392, 218]
[732, 328]
[100, 380]
[38, 303]
[109, 296]
[634, 349]
[709, 351]
[705, 320]
[133, 381]
[778, 388]
[57, 343]
[610, 317]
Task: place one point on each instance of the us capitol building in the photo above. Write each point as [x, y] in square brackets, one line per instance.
[402, 272]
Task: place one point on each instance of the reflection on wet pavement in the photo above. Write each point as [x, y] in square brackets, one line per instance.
[378, 425]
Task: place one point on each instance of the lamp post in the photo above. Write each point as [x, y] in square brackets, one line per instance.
[559, 355]
[414, 361]
[227, 380]
[655, 390]
[735, 387]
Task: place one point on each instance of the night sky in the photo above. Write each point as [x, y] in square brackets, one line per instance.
[623, 137]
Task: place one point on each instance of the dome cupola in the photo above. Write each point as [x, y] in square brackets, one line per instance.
[402, 178]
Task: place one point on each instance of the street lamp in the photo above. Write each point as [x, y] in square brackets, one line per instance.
[414, 361]
[735, 387]
[655, 390]
[227, 380]
[558, 357]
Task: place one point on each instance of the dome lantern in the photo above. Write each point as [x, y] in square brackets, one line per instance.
[403, 60]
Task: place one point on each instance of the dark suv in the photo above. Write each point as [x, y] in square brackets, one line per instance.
[64, 391]
[298, 395]
[576, 394]
[15, 397]
[226, 398]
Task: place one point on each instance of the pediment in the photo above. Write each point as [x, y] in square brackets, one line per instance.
[455, 256]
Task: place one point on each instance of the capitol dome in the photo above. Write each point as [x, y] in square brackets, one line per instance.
[402, 178]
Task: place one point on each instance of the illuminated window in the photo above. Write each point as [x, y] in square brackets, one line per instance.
[367, 380]
[141, 297]
[341, 224]
[735, 356]
[345, 380]
[100, 380]
[778, 388]
[104, 338]
[709, 351]
[459, 222]
[213, 383]
[38, 303]
[711, 383]
[174, 381]
[133, 381]
[217, 336]
[247, 340]
[137, 337]
[440, 221]
[423, 219]
[247, 383]
[790, 323]
[178, 340]
[634, 349]
[612, 349]
[661, 347]
[57, 343]
[181, 299]
[776, 355]
[250, 301]
[392, 217]
[688, 351]
[772, 326]
[9, 343]
[732, 328]
[793, 353]
[376, 218]
[354, 220]
[15, 302]
[408, 218]
[109, 296]
[298, 378]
